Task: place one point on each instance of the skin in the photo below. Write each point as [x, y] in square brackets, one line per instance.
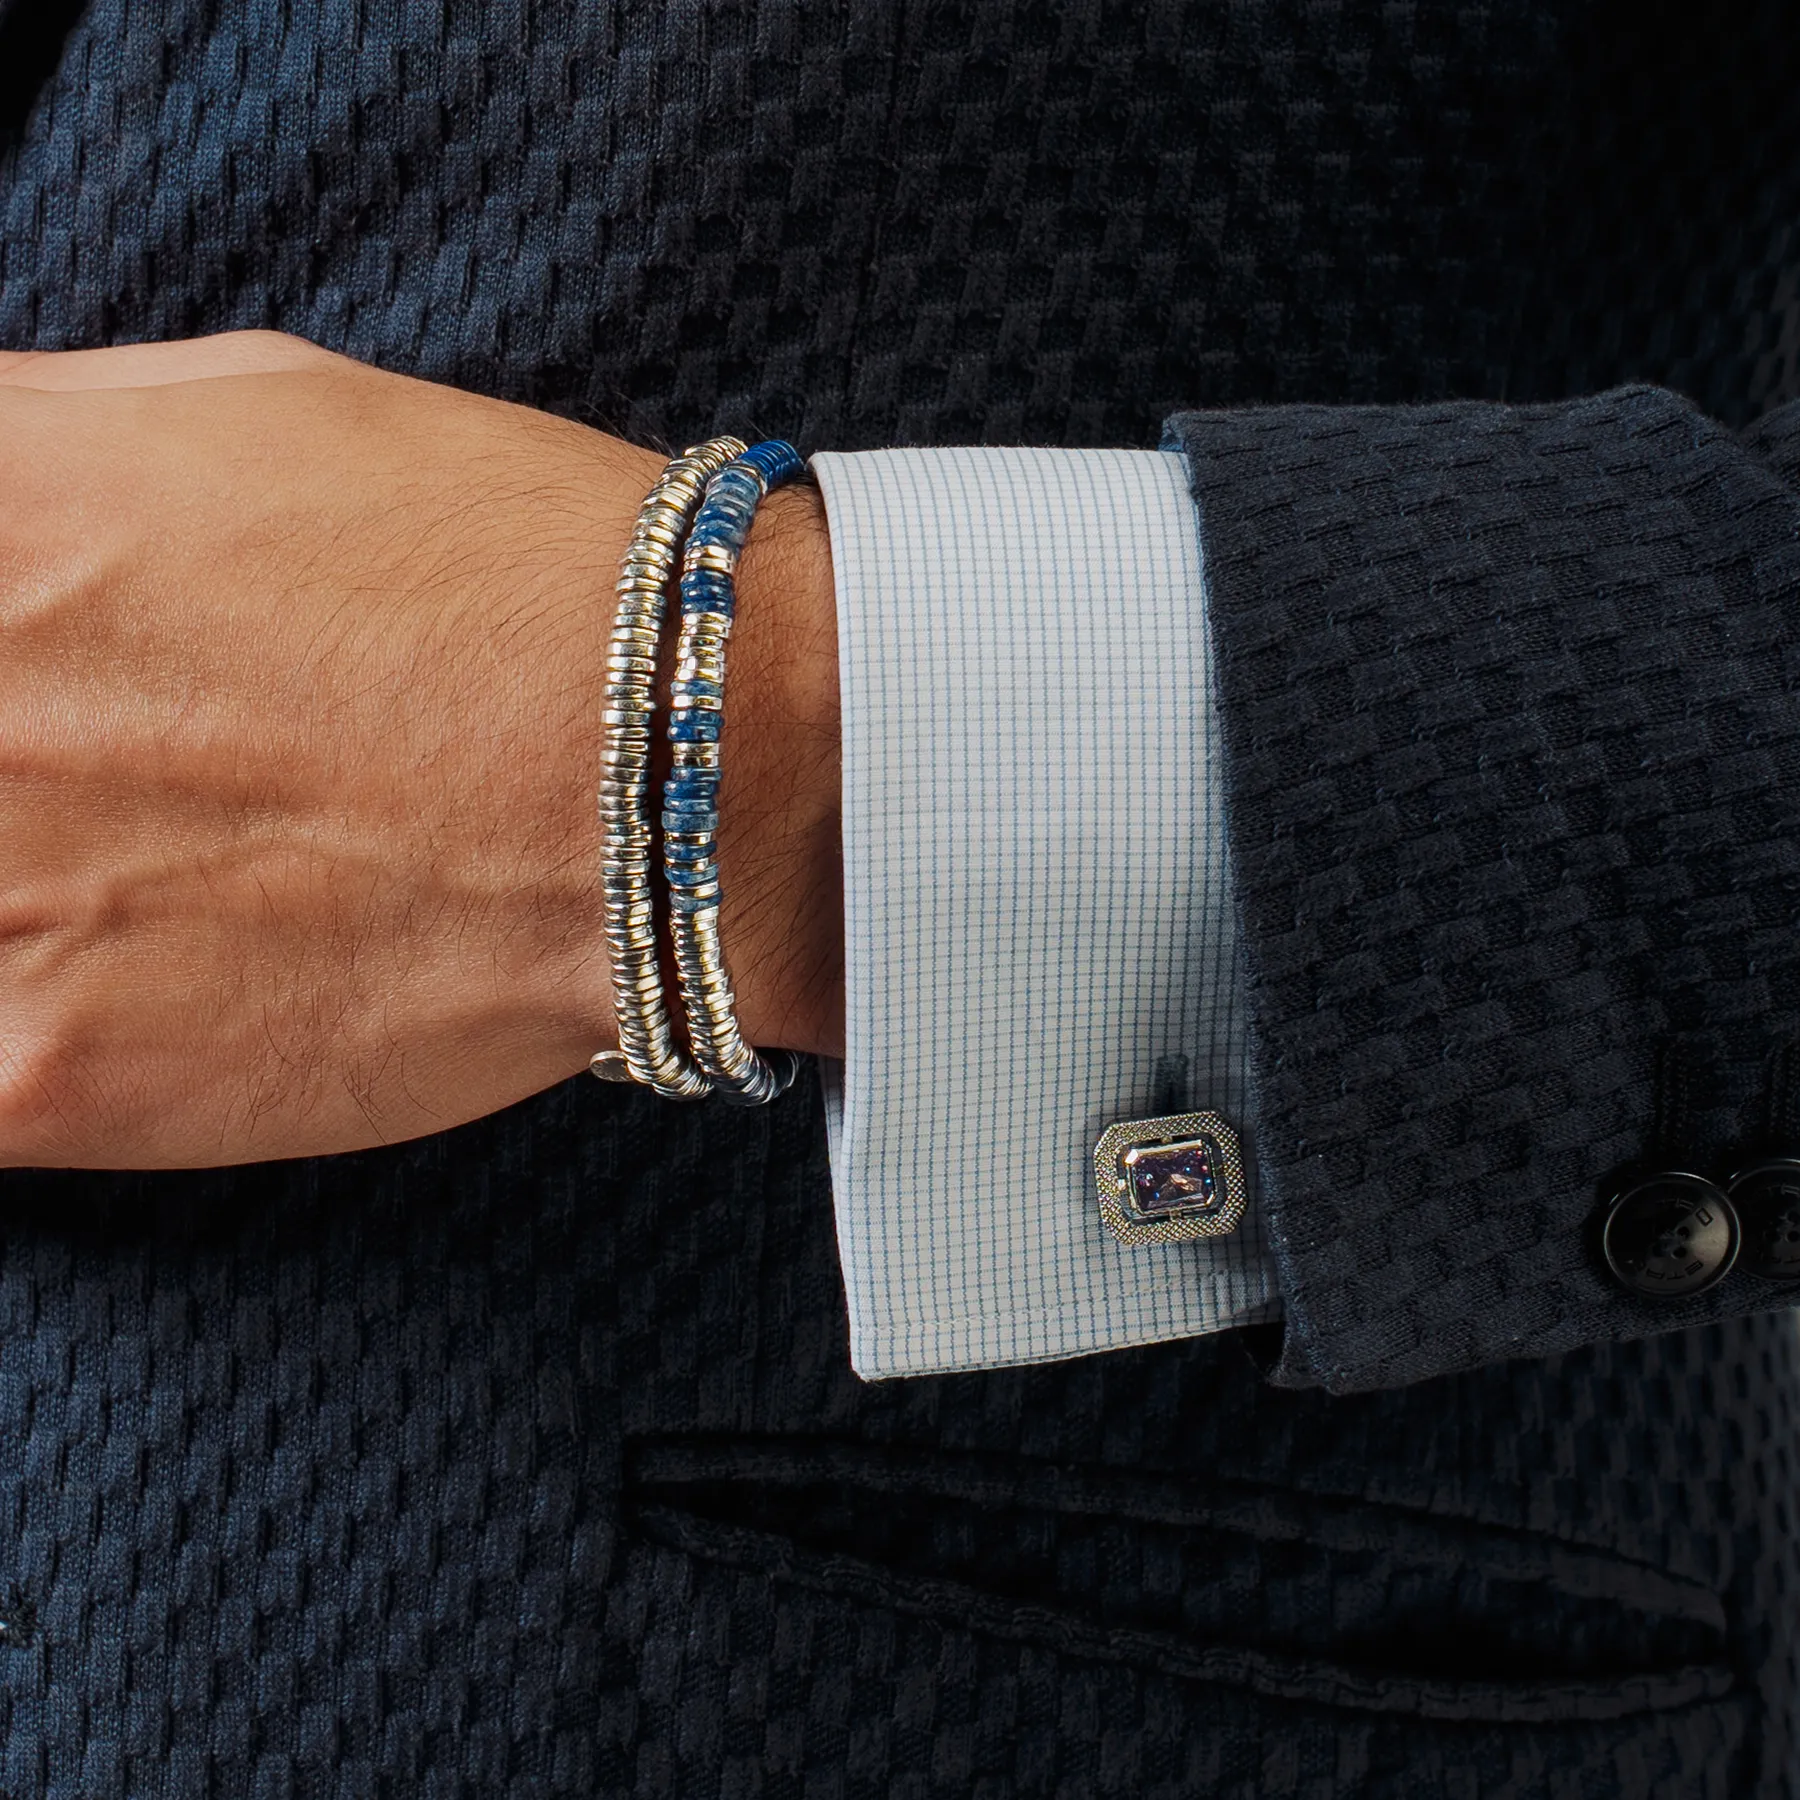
[300, 688]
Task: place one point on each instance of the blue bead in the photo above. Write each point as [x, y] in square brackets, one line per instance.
[706, 590]
[694, 728]
[686, 903]
[699, 785]
[716, 525]
[778, 460]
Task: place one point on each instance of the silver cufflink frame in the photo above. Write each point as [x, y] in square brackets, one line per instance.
[1177, 1142]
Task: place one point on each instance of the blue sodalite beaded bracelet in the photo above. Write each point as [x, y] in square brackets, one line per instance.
[690, 796]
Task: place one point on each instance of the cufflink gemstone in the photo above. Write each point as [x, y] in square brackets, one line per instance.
[1171, 1179]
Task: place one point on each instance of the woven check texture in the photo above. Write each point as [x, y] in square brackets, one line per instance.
[1514, 763]
[527, 1461]
[913, 221]
[1039, 935]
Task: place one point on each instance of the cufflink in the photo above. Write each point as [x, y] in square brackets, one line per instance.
[1167, 1180]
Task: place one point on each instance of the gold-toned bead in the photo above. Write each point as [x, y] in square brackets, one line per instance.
[712, 559]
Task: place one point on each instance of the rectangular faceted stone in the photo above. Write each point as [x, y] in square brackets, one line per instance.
[1176, 1177]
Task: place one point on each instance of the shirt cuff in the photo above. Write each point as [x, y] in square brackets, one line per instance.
[1039, 933]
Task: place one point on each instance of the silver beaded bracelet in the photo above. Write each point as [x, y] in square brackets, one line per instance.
[647, 1049]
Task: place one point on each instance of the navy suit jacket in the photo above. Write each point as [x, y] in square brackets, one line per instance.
[525, 1461]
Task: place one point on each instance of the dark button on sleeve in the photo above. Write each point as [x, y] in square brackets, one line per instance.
[1672, 1234]
[1767, 1198]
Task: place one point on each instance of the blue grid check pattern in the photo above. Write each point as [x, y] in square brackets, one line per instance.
[1040, 937]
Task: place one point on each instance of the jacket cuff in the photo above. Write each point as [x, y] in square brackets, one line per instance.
[1512, 764]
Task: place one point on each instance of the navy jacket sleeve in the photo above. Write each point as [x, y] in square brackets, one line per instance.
[1512, 763]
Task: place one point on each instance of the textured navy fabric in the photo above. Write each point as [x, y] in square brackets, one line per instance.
[525, 1461]
[920, 220]
[1513, 763]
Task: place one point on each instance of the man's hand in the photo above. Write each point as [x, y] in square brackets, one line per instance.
[300, 692]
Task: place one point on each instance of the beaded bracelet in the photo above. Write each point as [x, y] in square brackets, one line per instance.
[647, 1049]
[690, 797]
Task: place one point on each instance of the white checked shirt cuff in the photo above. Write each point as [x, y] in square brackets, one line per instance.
[1039, 932]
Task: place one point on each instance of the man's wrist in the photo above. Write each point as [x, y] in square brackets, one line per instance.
[780, 833]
